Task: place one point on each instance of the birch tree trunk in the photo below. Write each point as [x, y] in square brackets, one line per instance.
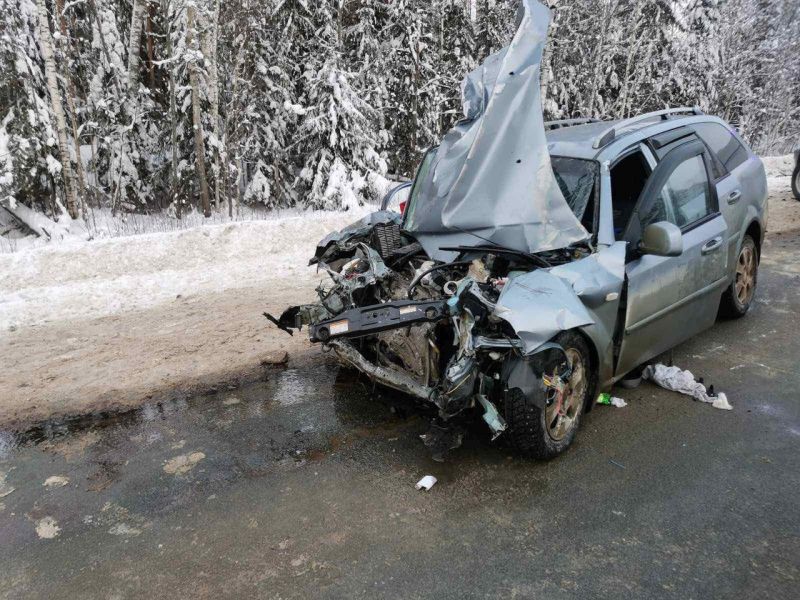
[173, 117]
[134, 46]
[209, 48]
[197, 123]
[45, 42]
[73, 114]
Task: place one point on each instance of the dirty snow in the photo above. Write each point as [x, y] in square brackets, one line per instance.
[47, 528]
[5, 489]
[56, 481]
[180, 465]
[779, 166]
[124, 529]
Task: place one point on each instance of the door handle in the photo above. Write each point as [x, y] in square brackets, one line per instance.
[734, 197]
[712, 245]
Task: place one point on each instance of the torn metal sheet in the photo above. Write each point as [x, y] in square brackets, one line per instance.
[356, 230]
[563, 296]
[491, 176]
[557, 307]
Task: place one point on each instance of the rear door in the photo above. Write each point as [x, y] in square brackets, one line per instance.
[670, 299]
[737, 178]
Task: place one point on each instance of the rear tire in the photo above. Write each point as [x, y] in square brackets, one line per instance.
[544, 433]
[796, 181]
[738, 298]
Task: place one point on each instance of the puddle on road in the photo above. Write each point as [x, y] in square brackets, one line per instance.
[168, 454]
[294, 411]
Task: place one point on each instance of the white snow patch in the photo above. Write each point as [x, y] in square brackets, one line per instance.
[76, 279]
[47, 528]
[56, 481]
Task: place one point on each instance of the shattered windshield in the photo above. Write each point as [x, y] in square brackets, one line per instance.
[577, 179]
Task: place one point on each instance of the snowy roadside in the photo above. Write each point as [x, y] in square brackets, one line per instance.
[111, 323]
[81, 280]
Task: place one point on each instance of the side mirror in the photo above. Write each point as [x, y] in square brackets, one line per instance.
[662, 239]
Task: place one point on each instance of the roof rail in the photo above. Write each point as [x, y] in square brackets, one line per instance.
[550, 125]
[610, 134]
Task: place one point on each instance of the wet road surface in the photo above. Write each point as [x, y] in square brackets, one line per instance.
[303, 486]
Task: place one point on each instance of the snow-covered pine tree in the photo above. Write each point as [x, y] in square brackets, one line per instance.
[339, 132]
[411, 109]
[456, 52]
[27, 134]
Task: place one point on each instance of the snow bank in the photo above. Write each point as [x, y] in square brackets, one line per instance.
[81, 279]
[779, 166]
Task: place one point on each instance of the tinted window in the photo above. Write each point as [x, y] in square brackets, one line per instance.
[576, 178]
[723, 143]
[628, 178]
[685, 198]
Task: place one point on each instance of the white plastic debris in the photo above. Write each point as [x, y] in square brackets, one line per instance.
[426, 483]
[618, 402]
[677, 380]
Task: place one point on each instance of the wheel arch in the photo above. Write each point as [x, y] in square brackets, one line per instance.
[755, 231]
[594, 357]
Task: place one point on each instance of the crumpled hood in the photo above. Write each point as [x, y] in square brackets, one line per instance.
[491, 176]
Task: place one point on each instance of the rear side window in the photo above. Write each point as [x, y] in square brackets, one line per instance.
[723, 143]
[685, 199]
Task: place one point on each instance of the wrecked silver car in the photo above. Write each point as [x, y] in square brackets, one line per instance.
[535, 264]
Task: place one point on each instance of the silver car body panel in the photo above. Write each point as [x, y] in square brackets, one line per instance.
[491, 176]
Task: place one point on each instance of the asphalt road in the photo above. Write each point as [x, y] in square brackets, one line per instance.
[303, 486]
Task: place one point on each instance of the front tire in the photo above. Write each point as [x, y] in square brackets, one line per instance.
[796, 181]
[544, 433]
[738, 298]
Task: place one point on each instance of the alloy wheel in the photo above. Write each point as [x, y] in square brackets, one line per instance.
[561, 415]
[745, 275]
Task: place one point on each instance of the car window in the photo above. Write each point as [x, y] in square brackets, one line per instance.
[576, 178]
[685, 198]
[422, 174]
[628, 178]
[723, 144]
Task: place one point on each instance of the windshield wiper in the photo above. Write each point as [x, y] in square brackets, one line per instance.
[499, 250]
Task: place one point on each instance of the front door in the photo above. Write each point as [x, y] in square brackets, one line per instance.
[670, 299]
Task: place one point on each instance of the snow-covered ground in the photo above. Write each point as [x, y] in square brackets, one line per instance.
[78, 279]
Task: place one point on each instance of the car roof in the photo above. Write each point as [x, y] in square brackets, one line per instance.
[578, 141]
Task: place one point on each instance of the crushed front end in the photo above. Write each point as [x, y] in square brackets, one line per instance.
[430, 329]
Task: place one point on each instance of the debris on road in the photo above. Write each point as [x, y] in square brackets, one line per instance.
[677, 380]
[426, 483]
[56, 481]
[47, 528]
[180, 465]
[609, 400]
